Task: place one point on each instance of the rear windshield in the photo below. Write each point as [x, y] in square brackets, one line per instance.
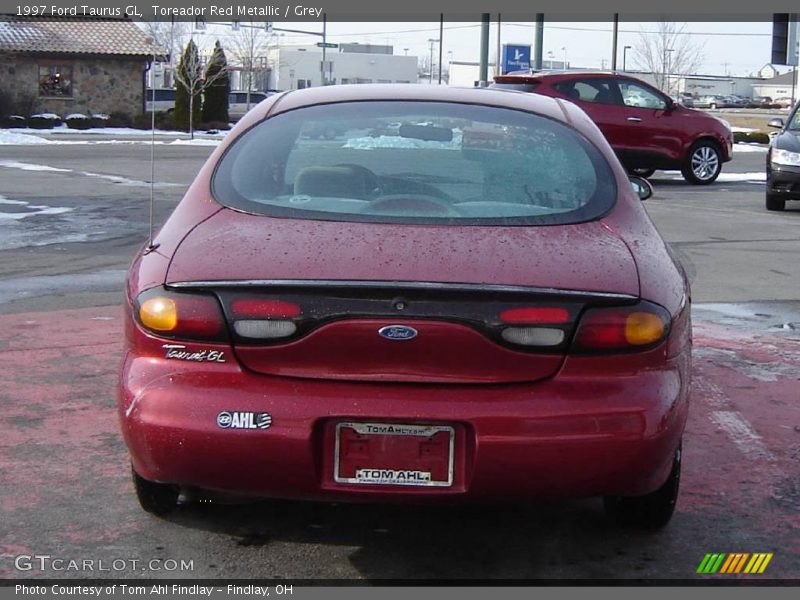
[415, 162]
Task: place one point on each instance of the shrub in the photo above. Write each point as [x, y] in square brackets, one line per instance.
[78, 121]
[750, 137]
[44, 121]
[214, 125]
[119, 119]
[13, 122]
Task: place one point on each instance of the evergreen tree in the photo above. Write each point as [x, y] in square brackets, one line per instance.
[218, 86]
[189, 81]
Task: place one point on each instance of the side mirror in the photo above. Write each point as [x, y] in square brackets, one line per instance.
[777, 123]
[641, 187]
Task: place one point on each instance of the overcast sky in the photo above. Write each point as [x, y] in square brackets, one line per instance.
[728, 48]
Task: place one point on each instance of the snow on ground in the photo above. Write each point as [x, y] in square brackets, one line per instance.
[9, 138]
[30, 210]
[395, 141]
[195, 142]
[750, 148]
[15, 138]
[743, 129]
[63, 129]
[754, 177]
[10, 164]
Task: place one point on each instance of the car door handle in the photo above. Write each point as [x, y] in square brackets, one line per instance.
[634, 119]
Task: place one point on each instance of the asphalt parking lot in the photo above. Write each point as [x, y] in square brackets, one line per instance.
[71, 219]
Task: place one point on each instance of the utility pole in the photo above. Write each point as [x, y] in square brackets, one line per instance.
[539, 47]
[614, 43]
[431, 41]
[441, 37]
[483, 74]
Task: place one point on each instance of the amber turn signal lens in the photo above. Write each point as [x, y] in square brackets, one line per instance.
[159, 314]
[642, 328]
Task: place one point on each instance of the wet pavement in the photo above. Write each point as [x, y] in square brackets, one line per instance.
[66, 489]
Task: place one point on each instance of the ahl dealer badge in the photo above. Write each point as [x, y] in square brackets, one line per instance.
[230, 419]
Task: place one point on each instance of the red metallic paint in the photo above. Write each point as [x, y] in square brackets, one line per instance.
[598, 425]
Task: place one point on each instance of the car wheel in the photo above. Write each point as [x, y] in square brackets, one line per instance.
[651, 511]
[155, 498]
[646, 173]
[703, 163]
[775, 203]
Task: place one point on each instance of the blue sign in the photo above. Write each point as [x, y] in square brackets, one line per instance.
[516, 58]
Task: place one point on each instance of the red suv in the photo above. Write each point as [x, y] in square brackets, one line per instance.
[646, 128]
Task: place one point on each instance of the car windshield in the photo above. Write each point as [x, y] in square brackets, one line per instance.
[416, 162]
[794, 121]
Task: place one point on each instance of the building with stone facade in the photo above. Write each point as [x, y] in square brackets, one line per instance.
[86, 66]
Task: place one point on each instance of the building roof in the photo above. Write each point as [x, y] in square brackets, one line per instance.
[77, 36]
[783, 79]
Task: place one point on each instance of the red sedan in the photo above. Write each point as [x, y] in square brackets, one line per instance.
[460, 297]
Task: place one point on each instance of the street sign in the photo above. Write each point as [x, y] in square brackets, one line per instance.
[327, 45]
[516, 58]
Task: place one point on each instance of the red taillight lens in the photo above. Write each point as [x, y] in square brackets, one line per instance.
[264, 308]
[625, 329]
[535, 315]
[181, 316]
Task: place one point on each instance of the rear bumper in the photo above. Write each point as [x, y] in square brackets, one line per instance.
[583, 433]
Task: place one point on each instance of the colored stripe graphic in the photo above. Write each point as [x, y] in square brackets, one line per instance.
[729, 564]
[758, 563]
[711, 563]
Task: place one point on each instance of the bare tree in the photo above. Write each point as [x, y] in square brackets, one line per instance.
[195, 76]
[247, 47]
[171, 36]
[666, 50]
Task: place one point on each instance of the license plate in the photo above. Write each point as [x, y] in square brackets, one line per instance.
[394, 454]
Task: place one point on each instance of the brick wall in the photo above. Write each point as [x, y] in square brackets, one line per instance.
[99, 84]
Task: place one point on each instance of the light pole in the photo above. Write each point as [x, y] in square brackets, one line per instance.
[669, 68]
[625, 56]
[564, 48]
[431, 41]
[550, 57]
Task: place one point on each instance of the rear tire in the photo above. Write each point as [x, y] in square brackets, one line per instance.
[703, 163]
[651, 511]
[156, 498]
[775, 203]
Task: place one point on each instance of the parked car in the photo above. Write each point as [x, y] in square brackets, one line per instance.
[238, 103]
[160, 99]
[686, 98]
[762, 100]
[783, 162]
[647, 130]
[711, 101]
[783, 102]
[477, 308]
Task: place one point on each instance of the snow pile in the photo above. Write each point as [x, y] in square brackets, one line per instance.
[395, 141]
[9, 138]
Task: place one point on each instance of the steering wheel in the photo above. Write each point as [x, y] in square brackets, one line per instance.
[420, 204]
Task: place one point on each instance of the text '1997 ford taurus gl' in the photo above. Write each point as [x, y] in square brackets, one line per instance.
[458, 297]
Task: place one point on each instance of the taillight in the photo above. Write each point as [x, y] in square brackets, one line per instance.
[534, 325]
[622, 329]
[180, 315]
[264, 318]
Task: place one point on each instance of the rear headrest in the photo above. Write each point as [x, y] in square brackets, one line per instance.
[336, 182]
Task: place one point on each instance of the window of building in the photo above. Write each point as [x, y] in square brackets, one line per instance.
[55, 80]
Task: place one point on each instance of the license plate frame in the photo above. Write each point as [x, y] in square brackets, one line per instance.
[407, 478]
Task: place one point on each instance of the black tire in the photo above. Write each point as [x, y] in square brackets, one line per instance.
[646, 173]
[775, 203]
[651, 511]
[703, 163]
[155, 498]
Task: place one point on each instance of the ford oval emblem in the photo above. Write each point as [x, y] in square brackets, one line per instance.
[397, 332]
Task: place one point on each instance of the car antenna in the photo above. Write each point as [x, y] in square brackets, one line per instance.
[150, 245]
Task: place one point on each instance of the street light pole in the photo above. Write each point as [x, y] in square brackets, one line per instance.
[431, 41]
[625, 56]
[669, 68]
